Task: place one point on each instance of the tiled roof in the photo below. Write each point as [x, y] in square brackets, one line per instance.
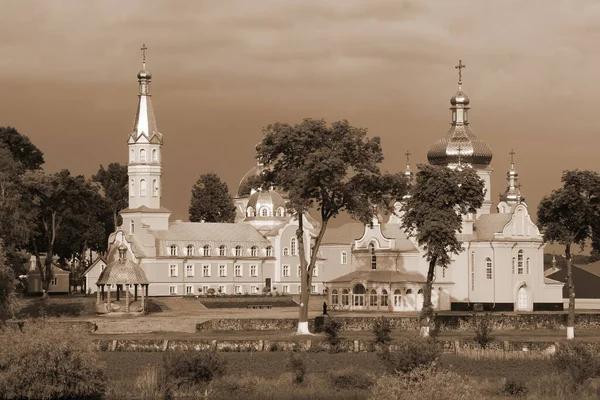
[459, 144]
[208, 232]
[345, 234]
[55, 271]
[122, 272]
[381, 276]
[403, 243]
[488, 224]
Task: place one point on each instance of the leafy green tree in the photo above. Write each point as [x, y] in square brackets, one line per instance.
[569, 216]
[333, 168]
[433, 214]
[21, 148]
[7, 286]
[114, 186]
[246, 187]
[211, 201]
[59, 198]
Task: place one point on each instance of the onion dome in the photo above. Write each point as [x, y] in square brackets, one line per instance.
[144, 73]
[266, 203]
[122, 271]
[460, 145]
[512, 194]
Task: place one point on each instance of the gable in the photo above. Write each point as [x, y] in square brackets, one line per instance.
[373, 235]
[521, 225]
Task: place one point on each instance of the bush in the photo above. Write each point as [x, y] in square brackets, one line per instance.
[352, 378]
[410, 355]
[382, 331]
[514, 388]
[151, 383]
[298, 367]
[577, 360]
[46, 361]
[188, 368]
[427, 383]
[482, 325]
[332, 330]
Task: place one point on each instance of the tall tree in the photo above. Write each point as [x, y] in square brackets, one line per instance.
[114, 184]
[251, 183]
[333, 168]
[211, 201]
[433, 214]
[7, 286]
[59, 198]
[569, 216]
[21, 148]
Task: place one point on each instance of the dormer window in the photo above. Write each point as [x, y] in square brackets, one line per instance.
[254, 251]
[222, 250]
[206, 251]
[173, 250]
[264, 212]
[238, 251]
[250, 212]
[190, 250]
[280, 212]
[269, 251]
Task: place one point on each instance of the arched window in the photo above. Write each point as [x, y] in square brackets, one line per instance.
[408, 291]
[344, 257]
[513, 265]
[142, 187]
[206, 251]
[250, 212]
[280, 212]
[420, 291]
[334, 296]
[345, 297]
[373, 298]
[527, 265]
[286, 251]
[189, 250]
[173, 250]
[269, 251]
[373, 256]
[293, 246]
[238, 251]
[398, 297]
[222, 250]
[154, 188]
[488, 268]
[132, 155]
[264, 212]
[384, 297]
[131, 227]
[254, 251]
[154, 155]
[143, 155]
[132, 189]
[520, 262]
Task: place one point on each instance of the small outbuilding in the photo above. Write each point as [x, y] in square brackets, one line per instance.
[122, 274]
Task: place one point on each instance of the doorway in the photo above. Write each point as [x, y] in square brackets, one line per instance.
[522, 301]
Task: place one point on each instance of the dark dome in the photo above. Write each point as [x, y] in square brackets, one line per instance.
[461, 143]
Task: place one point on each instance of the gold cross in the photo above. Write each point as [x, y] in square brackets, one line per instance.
[143, 49]
[459, 67]
[407, 154]
[512, 153]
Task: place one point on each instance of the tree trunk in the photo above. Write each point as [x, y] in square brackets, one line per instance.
[427, 311]
[304, 280]
[571, 286]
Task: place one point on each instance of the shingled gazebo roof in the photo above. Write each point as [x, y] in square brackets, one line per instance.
[122, 272]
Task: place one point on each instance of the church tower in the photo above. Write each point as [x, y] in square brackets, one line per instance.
[145, 163]
[460, 147]
[512, 195]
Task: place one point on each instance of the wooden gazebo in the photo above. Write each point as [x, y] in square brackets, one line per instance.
[119, 273]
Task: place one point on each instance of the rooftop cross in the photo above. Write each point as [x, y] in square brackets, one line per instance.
[512, 154]
[143, 49]
[459, 67]
[407, 154]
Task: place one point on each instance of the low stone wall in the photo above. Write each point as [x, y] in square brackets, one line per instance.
[459, 322]
[63, 323]
[249, 299]
[251, 324]
[351, 346]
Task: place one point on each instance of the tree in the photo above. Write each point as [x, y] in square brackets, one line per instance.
[569, 216]
[211, 201]
[7, 286]
[116, 192]
[331, 168]
[21, 148]
[247, 185]
[433, 215]
[59, 198]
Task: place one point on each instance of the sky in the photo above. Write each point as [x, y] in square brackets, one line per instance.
[222, 70]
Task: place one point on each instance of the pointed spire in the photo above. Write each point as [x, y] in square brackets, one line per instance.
[407, 172]
[512, 195]
[144, 124]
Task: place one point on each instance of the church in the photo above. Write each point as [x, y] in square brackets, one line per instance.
[359, 267]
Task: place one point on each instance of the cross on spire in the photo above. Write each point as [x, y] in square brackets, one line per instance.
[459, 67]
[143, 49]
[512, 154]
[407, 154]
